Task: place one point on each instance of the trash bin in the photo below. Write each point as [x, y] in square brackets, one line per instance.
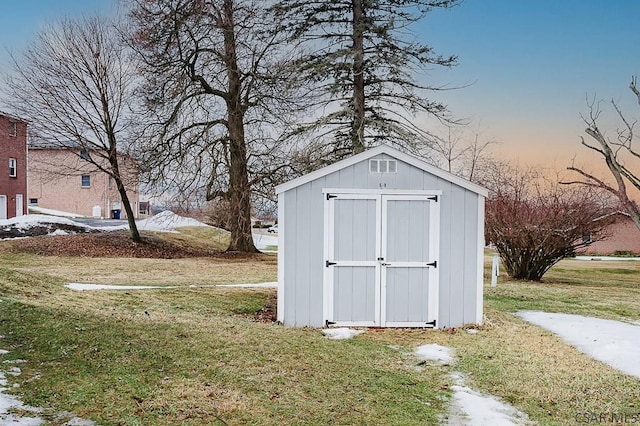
[115, 214]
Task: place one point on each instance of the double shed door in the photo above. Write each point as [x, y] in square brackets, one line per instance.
[381, 255]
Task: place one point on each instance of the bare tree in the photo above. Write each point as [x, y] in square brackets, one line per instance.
[619, 154]
[361, 65]
[215, 84]
[463, 155]
[534, 222]
[75, 84]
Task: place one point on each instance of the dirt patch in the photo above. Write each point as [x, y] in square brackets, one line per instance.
[268, 313]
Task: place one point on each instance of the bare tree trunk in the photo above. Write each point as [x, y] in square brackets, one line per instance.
[124, 197]
[357, 129]
[239, 189]
[131, 220]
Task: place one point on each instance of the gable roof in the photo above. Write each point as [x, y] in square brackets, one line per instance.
[392, 152]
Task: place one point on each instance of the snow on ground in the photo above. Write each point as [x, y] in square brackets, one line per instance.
[166, 221]
[470, 407]
[436, 353]
[27, 221]
[612, 342]
[262, 241]
[606, 258]
[341, 333]
[89, 287]
[251, 285]
[10, 402]
[40, 210]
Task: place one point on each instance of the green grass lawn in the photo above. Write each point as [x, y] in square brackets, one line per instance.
[195, 356]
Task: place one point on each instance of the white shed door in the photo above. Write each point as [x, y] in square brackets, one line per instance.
[381, 260]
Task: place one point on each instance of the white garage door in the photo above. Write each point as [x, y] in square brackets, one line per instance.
[381, 256]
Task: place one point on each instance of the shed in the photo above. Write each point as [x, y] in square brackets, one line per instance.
[380, 239]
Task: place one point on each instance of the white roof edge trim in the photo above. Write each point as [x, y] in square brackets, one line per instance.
[383, 149]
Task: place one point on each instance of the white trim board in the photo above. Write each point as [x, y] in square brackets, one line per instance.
[281, 259]
[392, 152]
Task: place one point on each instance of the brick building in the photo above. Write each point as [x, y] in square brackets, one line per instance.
[13, 169]
[623, 238]
[62, 179]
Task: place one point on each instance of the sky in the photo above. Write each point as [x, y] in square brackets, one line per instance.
[525, 70]
[530, 65]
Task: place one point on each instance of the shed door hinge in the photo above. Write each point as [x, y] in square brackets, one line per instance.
[434, 264]
[431, 323]
[327, 323]
[434, 198]
[327, 263]
[329, 196]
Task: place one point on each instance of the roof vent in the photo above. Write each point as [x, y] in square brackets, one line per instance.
[383, 166]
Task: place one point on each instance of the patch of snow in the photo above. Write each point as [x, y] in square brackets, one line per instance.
[613, 342]
[14, 361]
[250, 285]
[472, 408]
[166, 221]
[472, 330]
[9, 403]
[341, 333]
[14, 371]
[91, 287]
[263, 241]
[87, 287]
[59, 232]
[41, 210]
[605, 258]
[434, 352]
[31, 220]
[3, 352]
[77, 421]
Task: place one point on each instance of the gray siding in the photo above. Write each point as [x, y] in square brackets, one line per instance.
[302, 245]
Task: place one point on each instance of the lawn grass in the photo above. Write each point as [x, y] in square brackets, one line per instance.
[198, 237]
[194, 356]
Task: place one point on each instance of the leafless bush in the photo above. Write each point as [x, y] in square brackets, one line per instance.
[534, 222]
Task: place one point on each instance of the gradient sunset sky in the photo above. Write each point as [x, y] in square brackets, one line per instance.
[528, 65]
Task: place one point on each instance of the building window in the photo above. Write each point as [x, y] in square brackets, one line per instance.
[13, 128]
[13, 167]
[86, 181]
[383, 166]
[33, 201]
